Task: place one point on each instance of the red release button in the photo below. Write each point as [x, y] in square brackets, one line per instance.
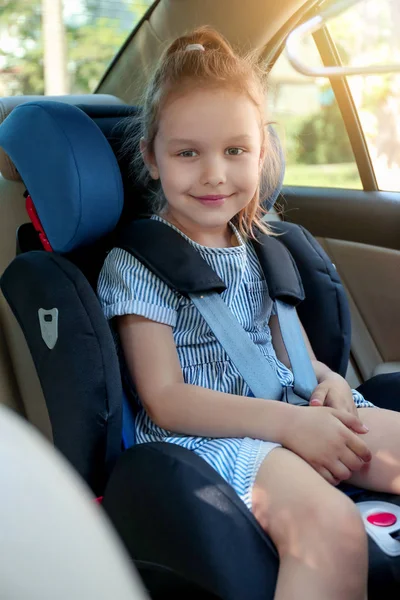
[382, 519]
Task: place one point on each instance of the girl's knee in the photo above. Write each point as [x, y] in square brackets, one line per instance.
[330, 521]
[301, 512]
[343, 521]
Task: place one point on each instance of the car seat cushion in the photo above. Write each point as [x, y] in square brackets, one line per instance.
[325, 298]
[75, 358]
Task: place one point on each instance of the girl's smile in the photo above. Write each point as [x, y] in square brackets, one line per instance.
[212, 200]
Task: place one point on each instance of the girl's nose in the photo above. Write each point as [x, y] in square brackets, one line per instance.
[213, 173]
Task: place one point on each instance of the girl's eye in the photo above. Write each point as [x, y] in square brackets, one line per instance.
[234, 151]
[188, 153]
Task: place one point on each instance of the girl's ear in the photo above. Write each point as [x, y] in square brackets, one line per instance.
[149, 159]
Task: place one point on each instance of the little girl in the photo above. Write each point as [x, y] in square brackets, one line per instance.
[205, 142]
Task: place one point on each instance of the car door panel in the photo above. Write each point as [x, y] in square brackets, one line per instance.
[352, 215]
[360, 231]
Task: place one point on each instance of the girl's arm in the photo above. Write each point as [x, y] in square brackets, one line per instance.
[152, 359]
[321, 436]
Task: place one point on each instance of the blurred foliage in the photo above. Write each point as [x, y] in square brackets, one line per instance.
[92, 42]
[22, 56]
[344, 175]
[319, 138]
[91, 48]
[323, 139]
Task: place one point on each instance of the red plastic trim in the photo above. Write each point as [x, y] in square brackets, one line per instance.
[34, 217]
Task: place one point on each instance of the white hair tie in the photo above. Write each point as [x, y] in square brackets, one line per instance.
[195, 47]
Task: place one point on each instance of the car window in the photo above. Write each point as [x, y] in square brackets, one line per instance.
[81, 38]
[368, 34]
[317, 147]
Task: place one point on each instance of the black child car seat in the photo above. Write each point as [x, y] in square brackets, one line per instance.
[186, 529]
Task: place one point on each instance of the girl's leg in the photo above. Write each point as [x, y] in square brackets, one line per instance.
[317, 530]
[382, 474]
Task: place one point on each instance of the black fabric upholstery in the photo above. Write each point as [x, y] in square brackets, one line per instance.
[180, 266]
[190, 522]
[383, 390]
[324, 313]
[162, 583]
[80, 376]
[171, 508]
[169, 256]
[27, 239]
[280, 270]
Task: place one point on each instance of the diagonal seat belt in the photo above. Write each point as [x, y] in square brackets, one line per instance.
[305, 380]
[248, 359]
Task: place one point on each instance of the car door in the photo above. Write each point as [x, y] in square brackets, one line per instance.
[342, 142]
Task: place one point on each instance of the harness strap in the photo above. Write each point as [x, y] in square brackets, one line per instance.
[169, 256]
[280, 270]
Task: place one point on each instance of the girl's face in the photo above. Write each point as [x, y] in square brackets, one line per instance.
[208, 155]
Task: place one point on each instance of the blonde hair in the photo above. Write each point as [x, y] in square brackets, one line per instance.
[181, 69]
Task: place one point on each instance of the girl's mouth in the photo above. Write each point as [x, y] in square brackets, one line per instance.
[214, 200]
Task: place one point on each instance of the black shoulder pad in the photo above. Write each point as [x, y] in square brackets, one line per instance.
[280, 270]
[169, 256]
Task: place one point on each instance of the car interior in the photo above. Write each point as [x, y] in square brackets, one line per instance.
[357, 231]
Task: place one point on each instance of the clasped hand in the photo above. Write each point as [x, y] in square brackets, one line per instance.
[334, 391]
[329, 435]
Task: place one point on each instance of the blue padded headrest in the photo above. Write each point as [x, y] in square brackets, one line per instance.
[69, 169]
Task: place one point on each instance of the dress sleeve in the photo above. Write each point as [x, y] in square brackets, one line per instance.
[125, 286]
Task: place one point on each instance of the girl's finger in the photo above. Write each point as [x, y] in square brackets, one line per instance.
[351, 421]
[316, 402]
[327, 475]
[351, 460]
[319, 394]
[359, 447]
[340, 471]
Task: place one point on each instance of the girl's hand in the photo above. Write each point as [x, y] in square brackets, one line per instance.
[327, 439]
[334, 391]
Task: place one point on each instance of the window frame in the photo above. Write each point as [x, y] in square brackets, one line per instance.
[128, 40]
[329, 55]
[341, 89]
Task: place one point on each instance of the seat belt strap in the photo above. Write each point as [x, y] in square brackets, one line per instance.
[247, 358]
[305, 380]
[243, 352]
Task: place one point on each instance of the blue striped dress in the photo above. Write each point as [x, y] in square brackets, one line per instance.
[125, 286]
